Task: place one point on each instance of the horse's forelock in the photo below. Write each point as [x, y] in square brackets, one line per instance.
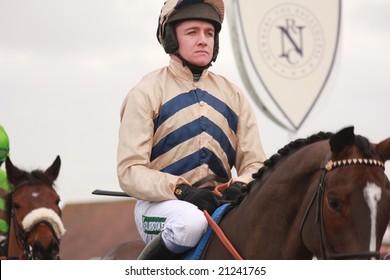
[41, 177]
[32, 178]
[364, 145]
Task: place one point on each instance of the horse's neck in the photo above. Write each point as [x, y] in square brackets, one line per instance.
[269, 217]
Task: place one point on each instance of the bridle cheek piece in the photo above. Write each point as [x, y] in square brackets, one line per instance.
[328, 166]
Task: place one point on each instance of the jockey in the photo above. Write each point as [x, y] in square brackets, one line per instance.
[183, 129]
[5, 187]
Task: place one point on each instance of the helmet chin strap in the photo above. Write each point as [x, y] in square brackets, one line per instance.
[196, 70]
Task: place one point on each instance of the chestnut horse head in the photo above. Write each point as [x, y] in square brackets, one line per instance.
[34, 214]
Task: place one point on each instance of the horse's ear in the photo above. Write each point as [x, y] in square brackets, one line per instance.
[342, 139]
[13, 173]
[383, 149]
[54, 169]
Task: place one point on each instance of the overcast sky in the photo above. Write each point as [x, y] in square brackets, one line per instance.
[66, 66]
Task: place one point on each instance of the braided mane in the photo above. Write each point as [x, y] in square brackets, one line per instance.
[361, 142]
[291, 147]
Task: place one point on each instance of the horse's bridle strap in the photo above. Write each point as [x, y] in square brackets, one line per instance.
[365, 161]
[319, 194]
[21, 238]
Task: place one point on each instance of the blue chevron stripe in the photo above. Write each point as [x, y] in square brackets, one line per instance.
[173, 106]
[175, 138]
[191, 130]
[184, 100]
[223, 109]
[190, 162]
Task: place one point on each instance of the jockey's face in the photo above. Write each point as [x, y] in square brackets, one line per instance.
[196, 41]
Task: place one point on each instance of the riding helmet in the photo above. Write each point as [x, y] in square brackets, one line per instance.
[175, 11]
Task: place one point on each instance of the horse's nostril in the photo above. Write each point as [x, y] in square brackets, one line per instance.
[37, 250]
[54, 250]
[49, 252]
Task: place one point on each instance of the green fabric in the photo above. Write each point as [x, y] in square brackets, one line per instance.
[4, 184]
[3, 226]
[2, 204]
[4, 144]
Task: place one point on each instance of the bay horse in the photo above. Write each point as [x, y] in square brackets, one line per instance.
[34, 215]
[326, 196]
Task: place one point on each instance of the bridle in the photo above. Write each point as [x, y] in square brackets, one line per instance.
[22, 235]
[318, 196]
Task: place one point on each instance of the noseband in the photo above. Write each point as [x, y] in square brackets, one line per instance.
[319, 197]
[21, 233]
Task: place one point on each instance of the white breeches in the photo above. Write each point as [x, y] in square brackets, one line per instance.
[181, 223]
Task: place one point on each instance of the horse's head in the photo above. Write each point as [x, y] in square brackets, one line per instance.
[35, 216]
[353, 199]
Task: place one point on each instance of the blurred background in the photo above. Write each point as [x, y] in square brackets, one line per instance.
[66, 66]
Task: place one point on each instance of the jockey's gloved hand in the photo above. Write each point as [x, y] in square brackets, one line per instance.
[204, 199]
[233, 192]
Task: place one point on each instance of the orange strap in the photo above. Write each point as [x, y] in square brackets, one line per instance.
[219, 189]
[225, 241]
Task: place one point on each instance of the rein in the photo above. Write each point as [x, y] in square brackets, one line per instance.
[328, 166]
[222, 237]
[20, 233]
[225, 241]
[21, 238]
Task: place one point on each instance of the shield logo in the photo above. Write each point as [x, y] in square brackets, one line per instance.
[287, 48]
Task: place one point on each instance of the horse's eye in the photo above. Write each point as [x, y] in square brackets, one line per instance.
[58, 201]
[15, 205]
[335, 204]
